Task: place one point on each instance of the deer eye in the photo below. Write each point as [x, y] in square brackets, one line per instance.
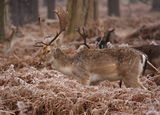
[48, 51]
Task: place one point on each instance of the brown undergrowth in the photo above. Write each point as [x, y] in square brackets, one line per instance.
[44, 92]
[28, 87]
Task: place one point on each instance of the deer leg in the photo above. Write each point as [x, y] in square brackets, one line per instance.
[82, 76]
[85, 81]
[120, 83]
[133, 82]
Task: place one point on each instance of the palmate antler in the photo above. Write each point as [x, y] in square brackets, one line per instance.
[63, 22]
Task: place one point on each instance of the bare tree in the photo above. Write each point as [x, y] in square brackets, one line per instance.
[2, 29]
[23, 11]
[51, 8]
[81, 12]
[113, 8]
[156, 5]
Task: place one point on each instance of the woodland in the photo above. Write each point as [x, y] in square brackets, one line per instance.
[31, 29]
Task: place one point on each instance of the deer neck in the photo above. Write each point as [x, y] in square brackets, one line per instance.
[63, 63]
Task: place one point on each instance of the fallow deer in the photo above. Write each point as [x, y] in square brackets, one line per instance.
[93, 65]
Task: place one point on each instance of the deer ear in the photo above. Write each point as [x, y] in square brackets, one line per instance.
[55, 50]
[58, 50]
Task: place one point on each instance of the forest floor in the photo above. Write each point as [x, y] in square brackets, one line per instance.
[29, 88]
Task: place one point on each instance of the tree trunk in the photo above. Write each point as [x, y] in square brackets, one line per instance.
[51, 8]
[23, 11]
[81, 12]
[2, 28]
[113, 8]
[45, 2]
[96, 9]
[133, 1]
[75, 10]
[156, 5]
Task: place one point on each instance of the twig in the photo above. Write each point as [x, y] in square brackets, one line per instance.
[151, 65]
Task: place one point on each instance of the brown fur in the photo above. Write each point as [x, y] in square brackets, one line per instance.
[91, 65]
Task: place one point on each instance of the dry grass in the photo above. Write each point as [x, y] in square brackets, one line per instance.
[45, 91]
[30, 88]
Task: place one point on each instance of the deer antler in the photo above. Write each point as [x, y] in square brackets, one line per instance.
[63, 22]
[84, 35]
[40, 44]
[63, 18]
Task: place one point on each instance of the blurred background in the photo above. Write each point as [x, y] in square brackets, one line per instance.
[27, 86]
[21, 12]
[23, 22]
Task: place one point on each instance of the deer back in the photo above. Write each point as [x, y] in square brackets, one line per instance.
[113, 60]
